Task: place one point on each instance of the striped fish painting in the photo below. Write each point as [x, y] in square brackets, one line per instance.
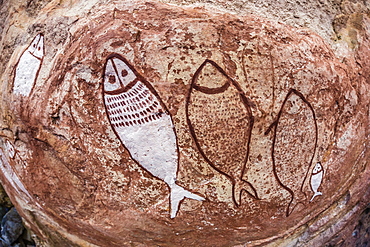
[143, 124]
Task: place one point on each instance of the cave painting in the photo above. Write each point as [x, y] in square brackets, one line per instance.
[28, 67]
[142, 123]
[316, 179]
[294, 144]
[220, 121]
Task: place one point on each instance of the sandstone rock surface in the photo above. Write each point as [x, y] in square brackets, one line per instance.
[145, 123]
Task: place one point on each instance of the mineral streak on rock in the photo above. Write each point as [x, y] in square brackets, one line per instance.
[143, 125]
[307, 103]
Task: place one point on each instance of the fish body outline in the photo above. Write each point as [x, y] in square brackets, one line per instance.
[143, 125]
[233, 171]
[28, 67]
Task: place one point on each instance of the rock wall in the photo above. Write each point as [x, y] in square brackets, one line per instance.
[218, 124]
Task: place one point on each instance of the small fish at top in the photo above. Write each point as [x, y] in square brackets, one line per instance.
[10, 149]
[28, 67]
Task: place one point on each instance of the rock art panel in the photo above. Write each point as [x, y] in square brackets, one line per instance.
[143, 124]
[294, 145]
[220, 121]
[28, 67]
[137, 112]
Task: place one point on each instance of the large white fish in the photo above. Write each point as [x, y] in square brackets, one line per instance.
[10, 149]
[143, 124]
[316, 179]
[294, 146]
[28, 67]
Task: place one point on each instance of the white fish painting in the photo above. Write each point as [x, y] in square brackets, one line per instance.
[28, 67]
[293, 146]
[316, 179]
[142, 123]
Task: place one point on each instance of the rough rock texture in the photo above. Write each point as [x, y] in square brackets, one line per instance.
[11, 227]
[132, 102]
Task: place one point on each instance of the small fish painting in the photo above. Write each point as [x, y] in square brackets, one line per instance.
[28, 67]
[143, 124]
[316, 179]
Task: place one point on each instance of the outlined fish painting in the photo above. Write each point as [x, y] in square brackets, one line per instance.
[220, 121]
[316, 179]
[10, 149]
[28, 67]
[294, 144]
[143, 124]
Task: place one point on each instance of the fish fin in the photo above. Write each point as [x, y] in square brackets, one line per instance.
[239, 187]
[316, 194]
[178, 193]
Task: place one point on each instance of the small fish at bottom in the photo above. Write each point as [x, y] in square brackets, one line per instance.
[316, 179]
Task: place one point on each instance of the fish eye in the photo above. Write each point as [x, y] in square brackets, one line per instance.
[112, 79]
[124, 73]
[38, 48]
[34, 45]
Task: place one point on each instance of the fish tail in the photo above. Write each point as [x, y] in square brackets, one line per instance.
[291, 206]
[296, 199]
[178, 193]
[238, 187]
[317, 193]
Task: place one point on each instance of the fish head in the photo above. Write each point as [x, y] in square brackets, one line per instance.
[294, 104]
[317, 168]
[37, 46]
[117, 74]
[210, 76]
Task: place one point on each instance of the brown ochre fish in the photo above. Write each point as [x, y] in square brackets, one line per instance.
[294, 145]
[220, 120]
